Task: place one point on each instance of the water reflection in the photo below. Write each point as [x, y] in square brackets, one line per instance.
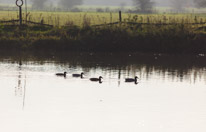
[173, 67]
[170, 95]
[20, 89]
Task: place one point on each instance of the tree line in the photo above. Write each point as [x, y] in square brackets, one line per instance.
[64, 4]
[143, 6]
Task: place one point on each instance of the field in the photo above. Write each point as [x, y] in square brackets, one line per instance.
[162, 33]
[62, 18]
[94, 18]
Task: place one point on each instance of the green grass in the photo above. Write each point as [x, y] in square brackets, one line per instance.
[168, 39]
[74, 32]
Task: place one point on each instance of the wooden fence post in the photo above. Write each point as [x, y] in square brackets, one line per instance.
[20, 16]
[120, 16]
[26, 10]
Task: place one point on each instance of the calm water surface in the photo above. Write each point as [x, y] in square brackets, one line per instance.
[170, 95]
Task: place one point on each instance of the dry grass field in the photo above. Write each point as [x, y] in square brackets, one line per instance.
[94, 18]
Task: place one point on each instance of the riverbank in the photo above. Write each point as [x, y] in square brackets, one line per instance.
[178, 38]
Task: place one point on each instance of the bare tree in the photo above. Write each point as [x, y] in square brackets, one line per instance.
[38, 4]
[144, 5]
[68, 4]
[200, 3]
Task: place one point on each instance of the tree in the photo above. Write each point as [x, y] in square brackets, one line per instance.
[38, 4]
[144, 6]
[200, 3]
[68, 4]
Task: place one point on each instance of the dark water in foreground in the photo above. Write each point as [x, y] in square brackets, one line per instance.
[170, 95]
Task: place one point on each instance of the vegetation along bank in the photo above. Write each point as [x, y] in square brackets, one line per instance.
[127, 36]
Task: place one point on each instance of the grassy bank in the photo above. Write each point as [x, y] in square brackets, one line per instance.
[178, 38]
[95, 18]
[137, 33]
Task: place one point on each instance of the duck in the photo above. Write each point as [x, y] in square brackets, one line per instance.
[78, 75]
[96, 79]
[61, 74]
[131, 79]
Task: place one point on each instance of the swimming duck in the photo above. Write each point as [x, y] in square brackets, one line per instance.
[78, 75]
[96, 79]
[131, 79]
[62, 74]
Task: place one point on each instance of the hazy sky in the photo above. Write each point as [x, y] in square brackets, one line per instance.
[117, 2]
[108, 2]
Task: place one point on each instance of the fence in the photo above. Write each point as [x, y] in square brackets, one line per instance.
[120, 22]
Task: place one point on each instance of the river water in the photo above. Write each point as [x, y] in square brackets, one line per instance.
[170, 95]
